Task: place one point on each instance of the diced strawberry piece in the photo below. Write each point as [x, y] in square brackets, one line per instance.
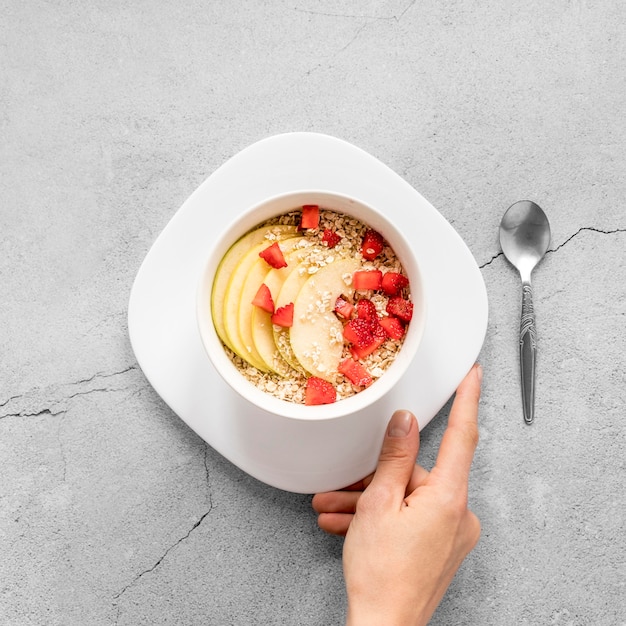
[343, 308]
[274, 256]
[400, 308]
[283, 316]
[372, 245]
[355, 372]
[330, 238]
[393, 327]
[366, 309]
[358, 332]
[378, 332]
[378, 337]
[361, 353]
[263, 299]
[319, 391]
[310, 216]
[393, 283]
[363, 280]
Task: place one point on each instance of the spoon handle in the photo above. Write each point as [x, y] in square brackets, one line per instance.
[527, 352]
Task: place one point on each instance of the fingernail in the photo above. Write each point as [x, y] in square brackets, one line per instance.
[479, 372]
[400, 424]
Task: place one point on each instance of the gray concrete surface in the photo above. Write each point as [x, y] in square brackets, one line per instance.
[111, 510]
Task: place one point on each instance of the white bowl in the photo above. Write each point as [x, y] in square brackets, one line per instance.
[279, 205]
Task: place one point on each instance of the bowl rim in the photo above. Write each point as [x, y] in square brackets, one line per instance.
[278, 204]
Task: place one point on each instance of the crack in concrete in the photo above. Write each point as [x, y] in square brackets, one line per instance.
[368, 19]
[587, 228]
[42, 402]
[158, 562]
[551, 250]
[360, 16]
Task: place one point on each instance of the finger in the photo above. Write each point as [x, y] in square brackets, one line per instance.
[396, 462]
[418, 478]
[360, 485]
[335, 501]
[335, 523]
[460, 439]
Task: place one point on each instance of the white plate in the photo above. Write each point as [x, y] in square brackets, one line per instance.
[296, 455]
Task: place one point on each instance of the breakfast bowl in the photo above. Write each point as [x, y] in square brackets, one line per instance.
[370, 372]
[290, 445]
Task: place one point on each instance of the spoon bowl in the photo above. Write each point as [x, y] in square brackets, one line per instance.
[524, 238]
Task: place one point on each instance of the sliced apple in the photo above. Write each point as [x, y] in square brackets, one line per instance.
[229, 263]
[300, 259]
[232, 301]
[316, 335]
[251, 280]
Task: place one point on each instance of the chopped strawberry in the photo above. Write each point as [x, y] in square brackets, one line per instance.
[283, 316]
[366, 309]
[393, 327]
[319, 391]
[274, 256]
[378, 336]
[361, 353]
[330, 238]
[400, 308]
[372, 245]
[393, 283]
[263, 299]
[358, 332]
[310, 216]
[363, 280]
[343, 308]
[355, 372]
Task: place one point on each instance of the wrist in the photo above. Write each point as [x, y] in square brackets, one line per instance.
[369, 616]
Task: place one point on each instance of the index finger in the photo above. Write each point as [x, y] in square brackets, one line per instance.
[460, 439]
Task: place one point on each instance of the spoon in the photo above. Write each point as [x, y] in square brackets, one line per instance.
[524, 238]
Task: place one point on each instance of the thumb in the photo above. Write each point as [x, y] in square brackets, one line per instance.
[396, 461]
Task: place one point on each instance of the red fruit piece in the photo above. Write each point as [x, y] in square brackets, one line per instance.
[400, 308]
[393, 327]
[319, 391]
[263, 299]
[378, 337]
[377, 341]
[283, 316]
[343, 308]
[393, 283]
[274, 256]
[372, 245]
[310, 216]
[355, 372]
[358, 332]
[330, 238]
[366, 309]
[363, 280]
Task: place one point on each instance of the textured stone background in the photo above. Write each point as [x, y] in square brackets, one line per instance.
[111, 113]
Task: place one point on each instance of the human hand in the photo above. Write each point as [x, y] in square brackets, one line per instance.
[407, 529]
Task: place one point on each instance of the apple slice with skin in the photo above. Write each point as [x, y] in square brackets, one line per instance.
[238, 307]
[272, 342]
[232, 301]
[263, 339]
[288, 293]
[263, 332]
[316, 335]
[242, 287]
[255, 274]
[230, 261]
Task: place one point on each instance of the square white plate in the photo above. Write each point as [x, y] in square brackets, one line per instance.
[296, 455]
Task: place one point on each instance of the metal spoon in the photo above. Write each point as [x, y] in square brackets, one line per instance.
[524, 238]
